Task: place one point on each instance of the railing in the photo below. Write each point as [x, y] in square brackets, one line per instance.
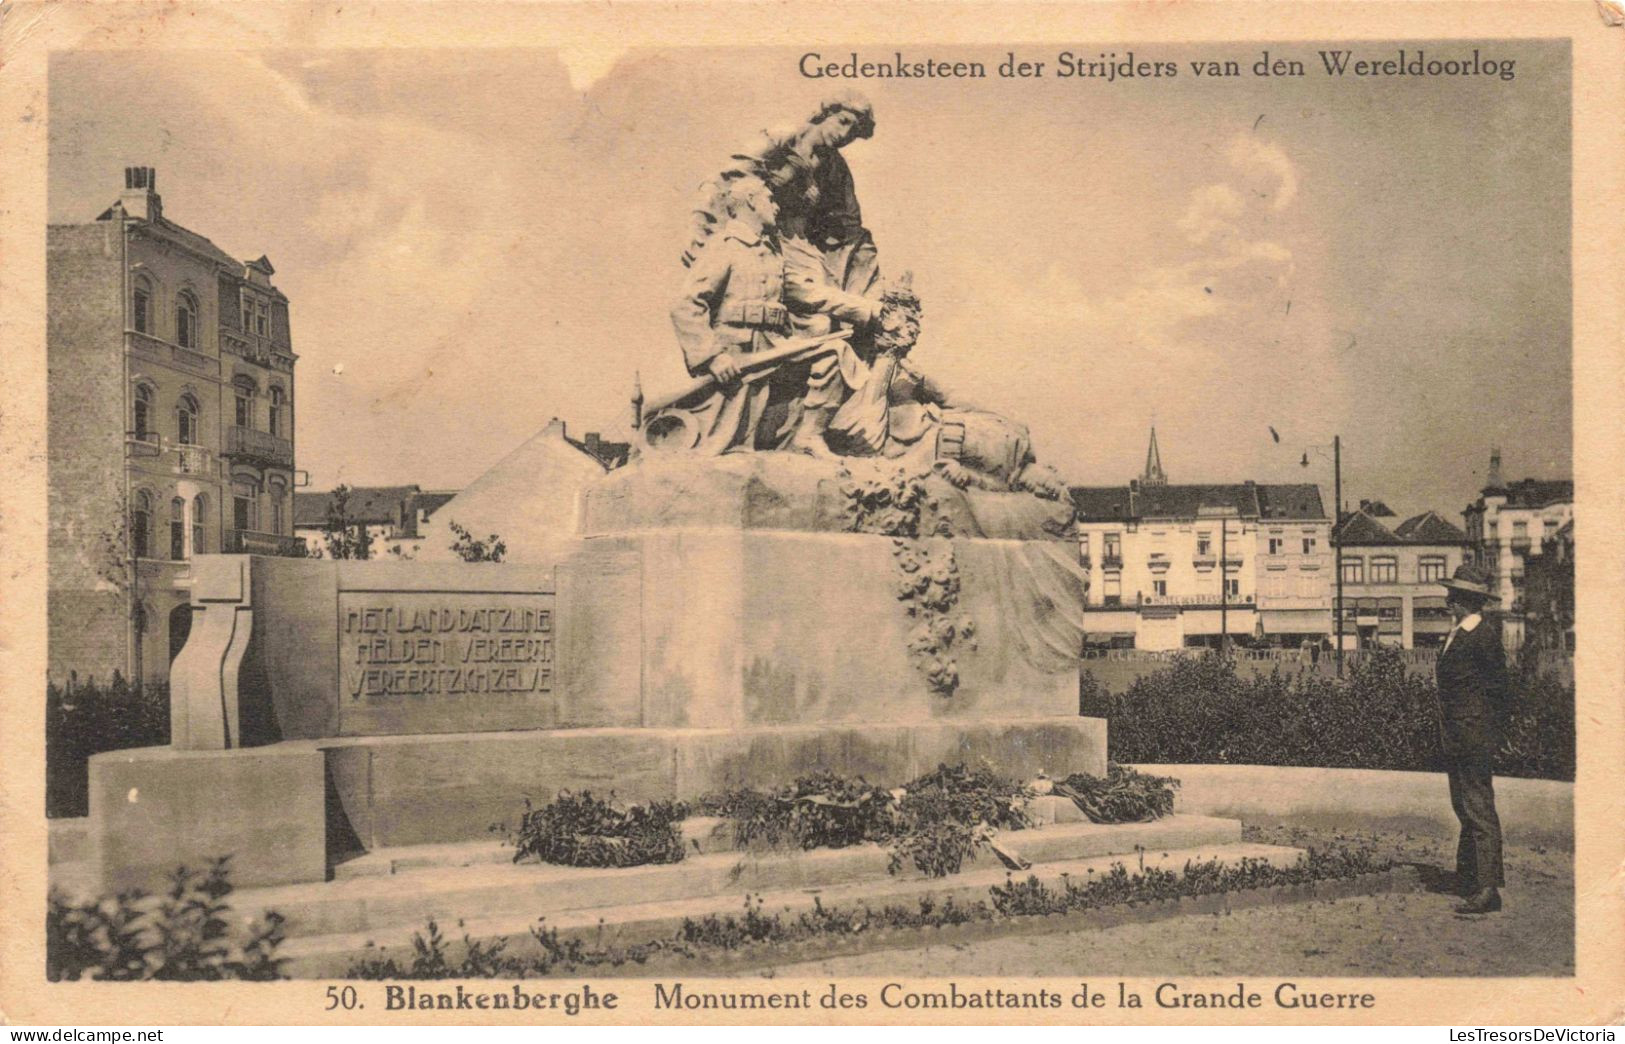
[142, 444]
[259, 445]
[1084, 561]
[1111, 561]
[191, 460]
[248, 542]
[1202, 601]
[1410, 657]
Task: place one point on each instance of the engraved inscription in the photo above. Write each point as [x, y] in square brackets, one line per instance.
[445, 645]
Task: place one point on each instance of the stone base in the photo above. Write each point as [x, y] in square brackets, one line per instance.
[287, 812]
[402, 790]
[156, 808]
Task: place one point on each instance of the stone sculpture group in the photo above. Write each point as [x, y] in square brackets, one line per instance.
[796, 341]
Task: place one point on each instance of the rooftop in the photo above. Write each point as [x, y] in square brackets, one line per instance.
[1359, 529]
[1535, 493]
[1429, 528]
[1247, 499]
[368, 505]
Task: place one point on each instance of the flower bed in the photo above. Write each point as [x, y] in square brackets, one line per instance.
[735, 939]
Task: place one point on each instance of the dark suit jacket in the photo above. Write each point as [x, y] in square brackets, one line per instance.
[1474, 692]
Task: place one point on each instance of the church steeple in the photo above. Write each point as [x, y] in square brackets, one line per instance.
[1153, 465]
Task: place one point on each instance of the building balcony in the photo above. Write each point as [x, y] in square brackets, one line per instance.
[190, 460]
[248, 542]
[1084, 561]
[1111, 560]
[1204, 560]
[184, 358]
[1520, 545]
[256, 349]
[258, 446]
[142, 444]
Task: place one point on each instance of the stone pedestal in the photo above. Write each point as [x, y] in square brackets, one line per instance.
[730, 629]
[717, 625]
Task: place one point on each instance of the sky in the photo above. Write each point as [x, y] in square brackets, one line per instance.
[474, 242]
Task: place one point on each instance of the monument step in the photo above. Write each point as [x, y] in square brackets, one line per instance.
[630, 922]
[702, 835]
[456, 886]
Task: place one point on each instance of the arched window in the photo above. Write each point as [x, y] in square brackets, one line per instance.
[200, 515]
[177, 530]
[244, 392]
[186, 319]
[140, 524]
[141, 305]
[143, 412]
[186, 412]
[278, 403]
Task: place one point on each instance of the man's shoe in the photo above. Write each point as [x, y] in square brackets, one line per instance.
[1485, 900]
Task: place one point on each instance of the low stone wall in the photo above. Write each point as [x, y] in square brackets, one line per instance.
[1532, 811]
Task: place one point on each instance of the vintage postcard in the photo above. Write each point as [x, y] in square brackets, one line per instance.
[732, 513]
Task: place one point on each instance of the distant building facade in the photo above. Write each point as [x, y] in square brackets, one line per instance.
[1548, 600]
[393, 517]
[1507, 527]
[1172, 566]
[396, 518]
[1391, 577]
[170, 422]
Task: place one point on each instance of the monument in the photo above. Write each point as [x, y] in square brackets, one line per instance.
[817, 557]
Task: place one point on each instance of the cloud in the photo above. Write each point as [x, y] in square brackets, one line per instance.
[1254, 155]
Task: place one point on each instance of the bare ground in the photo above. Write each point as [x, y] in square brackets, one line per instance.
[1400, 934]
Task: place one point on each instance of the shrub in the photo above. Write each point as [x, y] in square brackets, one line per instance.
[470, 549]
[1124, 796]
[182, 935]
[84, 718]
[1198, 710]
[581, 830]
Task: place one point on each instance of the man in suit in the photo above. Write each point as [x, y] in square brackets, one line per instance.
[1474, 694]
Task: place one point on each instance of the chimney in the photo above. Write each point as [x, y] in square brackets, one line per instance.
[637, 400]
[1365, 505]
[140, 197]
[592, 443]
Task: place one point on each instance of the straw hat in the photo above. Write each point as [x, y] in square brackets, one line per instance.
[1470, 579]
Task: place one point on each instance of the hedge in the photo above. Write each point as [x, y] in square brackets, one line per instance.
[1198, 710]
[85, 719]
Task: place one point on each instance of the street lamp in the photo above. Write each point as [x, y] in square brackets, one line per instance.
[1337, 519]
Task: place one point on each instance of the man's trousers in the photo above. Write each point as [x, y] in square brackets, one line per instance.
[1472, 795]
